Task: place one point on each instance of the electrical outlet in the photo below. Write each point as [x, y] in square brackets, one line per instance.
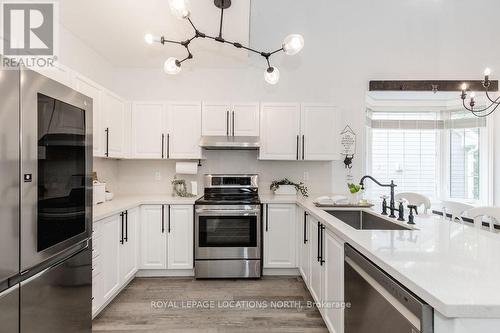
[157, 175]
[306, 176]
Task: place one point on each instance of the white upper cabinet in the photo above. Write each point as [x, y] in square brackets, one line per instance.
[149, 130]
[180, 237]
[320, 132]
[280, 236]
[216, 119]
[230, 119]
[94, 91]
[294, 132]
[184, 132]
[116, 123]
[279, 131]
[245, 119]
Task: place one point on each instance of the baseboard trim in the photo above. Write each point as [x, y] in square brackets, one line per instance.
[281, 272]
[165, 273]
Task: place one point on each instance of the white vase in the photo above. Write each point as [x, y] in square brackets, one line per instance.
[355, 198]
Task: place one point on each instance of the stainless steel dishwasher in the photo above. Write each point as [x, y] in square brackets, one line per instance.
[378, 303]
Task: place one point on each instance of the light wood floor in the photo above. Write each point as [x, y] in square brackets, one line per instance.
[132, 311]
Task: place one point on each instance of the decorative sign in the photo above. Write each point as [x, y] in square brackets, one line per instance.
[348, 141]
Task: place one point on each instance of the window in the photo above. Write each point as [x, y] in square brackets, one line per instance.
[440, 154]
[404, 154]
[464, 164]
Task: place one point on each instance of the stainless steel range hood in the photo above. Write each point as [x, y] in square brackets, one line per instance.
[230, 142]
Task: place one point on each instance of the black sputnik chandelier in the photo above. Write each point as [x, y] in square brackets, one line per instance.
[483, 111]
[291, 45]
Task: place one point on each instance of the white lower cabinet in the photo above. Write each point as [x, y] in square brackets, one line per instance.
[110, 242]
[333, 291]
[167, 237]
[97, 291]
[280, 236]
[304, 231]
[326, 279]
[153, 249]
[180, 237]
[317, 269]
[128, 248]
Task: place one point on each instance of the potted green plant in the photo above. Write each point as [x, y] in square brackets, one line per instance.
[287, 187]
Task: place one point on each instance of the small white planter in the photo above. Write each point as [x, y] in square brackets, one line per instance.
[286, 190]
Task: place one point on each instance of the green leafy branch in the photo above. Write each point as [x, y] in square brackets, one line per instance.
[300, 187]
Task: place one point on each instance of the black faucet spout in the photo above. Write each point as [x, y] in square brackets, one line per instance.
[392, 203]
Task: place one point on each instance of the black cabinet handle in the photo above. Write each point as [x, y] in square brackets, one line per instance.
[297, 148]
[267, 218]
[168, 145]
[303, 147]
[305, 227]
[107, 142]
[227, 123]
[321, 260]
[121, 236]
[168, 218]
[233, 123]
[162, 145]
[319, 242]
[162, 219]
[126, 226]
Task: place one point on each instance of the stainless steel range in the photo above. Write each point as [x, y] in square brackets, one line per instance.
[228, 234]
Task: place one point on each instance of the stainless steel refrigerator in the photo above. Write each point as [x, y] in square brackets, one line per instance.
[45, 205]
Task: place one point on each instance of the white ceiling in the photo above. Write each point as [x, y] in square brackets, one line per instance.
[116, 29]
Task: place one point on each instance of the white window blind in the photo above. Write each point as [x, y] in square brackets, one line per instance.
[407, 147]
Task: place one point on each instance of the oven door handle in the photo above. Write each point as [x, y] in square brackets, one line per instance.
[227, 212]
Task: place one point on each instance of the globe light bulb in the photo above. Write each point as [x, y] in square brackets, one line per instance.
[464, 86]
[472, 95]
[272, 75]
[150, 39]
[293, 44]
[179, 8]
[172, 66]
[487, 72]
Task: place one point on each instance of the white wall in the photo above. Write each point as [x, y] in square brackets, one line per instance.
[348, 43]
[77, 55]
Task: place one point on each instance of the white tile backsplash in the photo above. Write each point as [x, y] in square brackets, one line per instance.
[128, 177]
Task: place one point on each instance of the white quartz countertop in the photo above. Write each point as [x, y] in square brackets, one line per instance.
[453, 267]
[119, 204]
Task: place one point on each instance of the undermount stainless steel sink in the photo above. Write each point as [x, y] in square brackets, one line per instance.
[362, 220]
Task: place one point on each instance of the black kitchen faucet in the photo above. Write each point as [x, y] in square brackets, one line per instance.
[392, 204]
